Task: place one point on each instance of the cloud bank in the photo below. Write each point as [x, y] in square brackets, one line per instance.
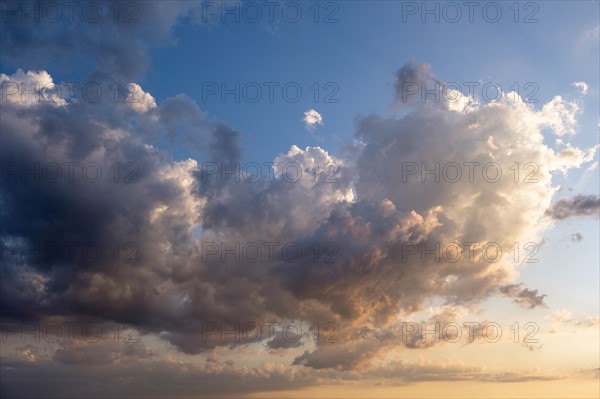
[379, 213]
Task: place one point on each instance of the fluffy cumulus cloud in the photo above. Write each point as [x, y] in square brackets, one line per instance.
[29, 88]
[422, 205]
[312, 118]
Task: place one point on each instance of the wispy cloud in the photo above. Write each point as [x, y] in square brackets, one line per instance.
[581, 85]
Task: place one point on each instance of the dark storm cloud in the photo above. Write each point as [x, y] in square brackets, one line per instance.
[99, 42]
[111, 214]
[579, 205]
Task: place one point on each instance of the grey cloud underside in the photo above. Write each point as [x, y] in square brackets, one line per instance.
[578, 205]
[523, 296]
[150, 375]
[134, 368]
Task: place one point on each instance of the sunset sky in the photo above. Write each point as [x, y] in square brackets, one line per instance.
[299, 199]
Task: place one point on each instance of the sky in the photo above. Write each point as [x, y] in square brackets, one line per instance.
[299, 199]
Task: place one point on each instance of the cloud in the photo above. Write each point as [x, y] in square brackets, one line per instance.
[352, 217]
[29, 88]
[579, 205]
[138, 100]
[592, 373]
[108, 48]
[581, 85]
[350, 355]
[576, 237]
[109, 349]
[559, 116]
[311, 119]
[174, 378]
[402, 372]
[524, 297]
[281, 341]
[151, 377]
[589, 35]
[564, 317]
[412, 81]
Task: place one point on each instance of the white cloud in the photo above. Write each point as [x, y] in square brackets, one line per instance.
[139, 100]
[312, 118]
[581, 85]
[29, 88]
